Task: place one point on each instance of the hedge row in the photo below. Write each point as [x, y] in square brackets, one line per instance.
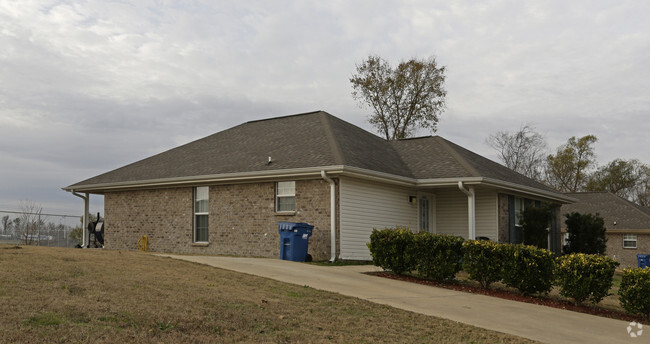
[433, 256]
[528, 269]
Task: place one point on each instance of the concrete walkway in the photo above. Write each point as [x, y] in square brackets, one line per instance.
[540, 323]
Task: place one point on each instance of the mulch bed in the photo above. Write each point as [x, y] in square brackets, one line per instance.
[511, 295]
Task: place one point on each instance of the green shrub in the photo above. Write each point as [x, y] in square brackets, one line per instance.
[482, 261]
[634, 293]
[527, 268]
[393, 249]
[438, 256]
[586, 234]
[585, 276]
[536, 221]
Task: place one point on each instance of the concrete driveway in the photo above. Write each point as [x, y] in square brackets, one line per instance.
[540, 323]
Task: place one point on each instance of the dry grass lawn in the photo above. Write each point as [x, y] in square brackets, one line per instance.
[57, 295]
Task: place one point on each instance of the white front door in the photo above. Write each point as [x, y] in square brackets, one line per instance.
[426, 206]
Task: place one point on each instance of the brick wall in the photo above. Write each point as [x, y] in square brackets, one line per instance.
[164, 215]
[242, 219]
[626, 256]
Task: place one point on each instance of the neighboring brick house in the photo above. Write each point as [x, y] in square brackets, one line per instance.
[225, 193]
[627, 224]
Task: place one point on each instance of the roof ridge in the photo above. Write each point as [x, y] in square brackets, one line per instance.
[285, 116]
[445, 144]
[337, 152]
[586, 192]
[415, 138]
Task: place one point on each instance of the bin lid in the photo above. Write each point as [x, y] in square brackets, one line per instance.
[289, 226]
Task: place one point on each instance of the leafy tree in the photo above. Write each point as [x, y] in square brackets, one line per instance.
[586, 234]
[522, 151]
[536, 222]
[410, 96]
[619, 177]
[568, 169]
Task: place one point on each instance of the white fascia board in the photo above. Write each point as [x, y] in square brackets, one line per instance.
[543, 194]
[437, 182]
[365, 174]
[556, 196]
[315, 172]
[225, 178]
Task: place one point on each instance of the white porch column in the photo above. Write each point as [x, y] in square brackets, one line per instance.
[471, 210]
[84, 222]
[86, 235]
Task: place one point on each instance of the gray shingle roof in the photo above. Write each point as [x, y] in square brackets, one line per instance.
[612, 208]
[435, 157]
[297, 141]
[312, 139]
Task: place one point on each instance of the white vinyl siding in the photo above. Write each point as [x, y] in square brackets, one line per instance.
[451, 213]
[486, 214]
[366, 205]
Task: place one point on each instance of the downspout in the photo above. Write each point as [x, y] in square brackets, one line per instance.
[471, 209]
[332, 214]
[84, 224]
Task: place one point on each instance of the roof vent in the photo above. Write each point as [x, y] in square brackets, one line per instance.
[270, 161]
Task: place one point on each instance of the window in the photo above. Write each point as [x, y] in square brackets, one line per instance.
[519, 211]
[285, 196]
[629, 240]
[565, 239]
[201, 197]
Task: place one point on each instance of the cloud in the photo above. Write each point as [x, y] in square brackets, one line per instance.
[90, 86]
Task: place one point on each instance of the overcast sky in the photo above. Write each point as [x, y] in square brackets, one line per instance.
[86, 87]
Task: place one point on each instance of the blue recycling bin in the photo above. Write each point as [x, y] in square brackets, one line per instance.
[643, 260]
[294, 240]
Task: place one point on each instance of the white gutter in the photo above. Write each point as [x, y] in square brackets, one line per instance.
[332, 214]
[471, 209]
[224, 178]
[257, 176]
[84, 222]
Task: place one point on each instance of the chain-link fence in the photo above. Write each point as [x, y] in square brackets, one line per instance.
[36, 228]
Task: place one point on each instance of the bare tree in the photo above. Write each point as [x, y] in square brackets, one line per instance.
[31, 222]
[405, 98]
[523, 151]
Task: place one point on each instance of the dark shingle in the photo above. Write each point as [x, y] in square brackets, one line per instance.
[435, 157]
[611, 208]
[312, 139]
[292, 142]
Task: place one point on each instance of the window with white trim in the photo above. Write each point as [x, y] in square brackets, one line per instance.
[285, 196]
[519, 211]
[629, 240]
[201, 213]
